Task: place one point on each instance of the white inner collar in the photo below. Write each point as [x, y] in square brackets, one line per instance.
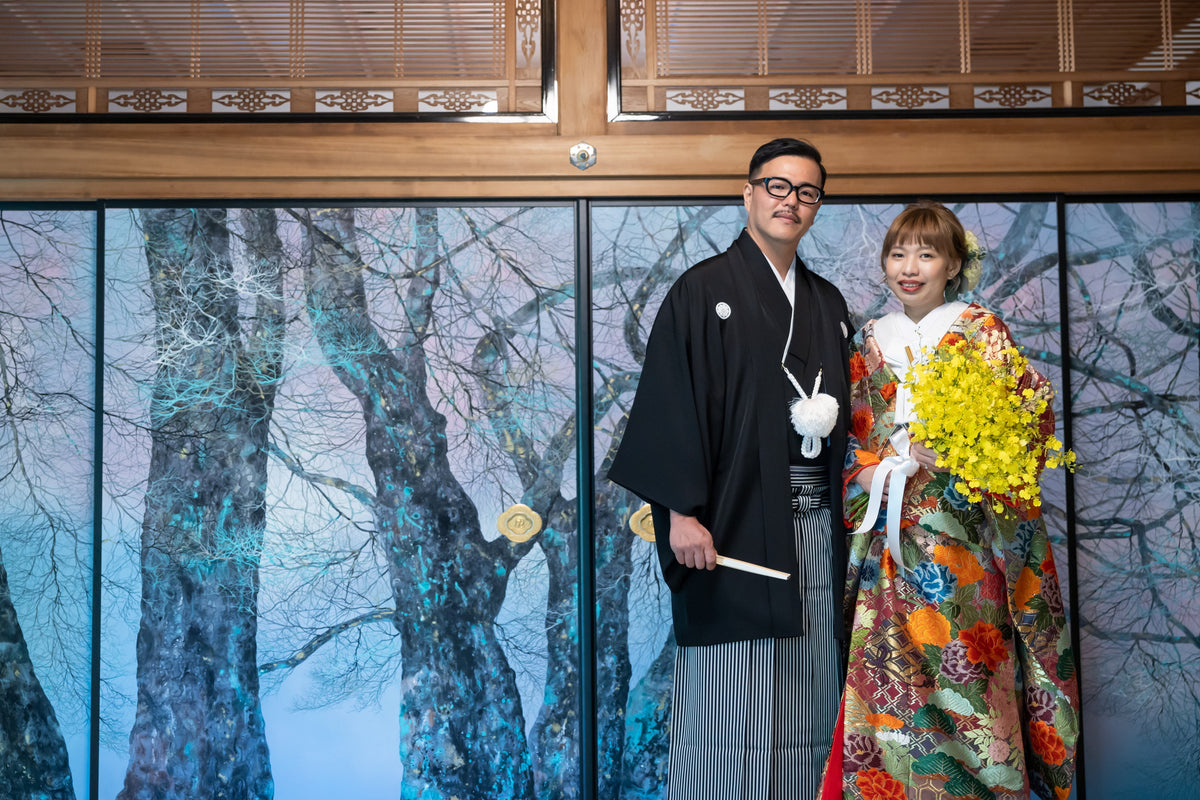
[901, 341]
[788, 281]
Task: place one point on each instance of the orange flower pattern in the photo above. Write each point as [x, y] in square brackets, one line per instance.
[944, 622]
[858, 368]
[1028, 587]
[985, 645]
[928, 626]
[875, 784]
[885, 721]
[1047, 743]
[961, 561]
[860, 421]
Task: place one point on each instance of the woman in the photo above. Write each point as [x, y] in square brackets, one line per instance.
[960, 677]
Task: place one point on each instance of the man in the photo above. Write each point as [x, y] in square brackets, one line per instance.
[710, 445]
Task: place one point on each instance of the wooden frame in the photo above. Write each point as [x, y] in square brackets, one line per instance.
[1150, 151]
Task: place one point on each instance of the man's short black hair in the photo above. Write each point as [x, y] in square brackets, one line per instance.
[785, 147]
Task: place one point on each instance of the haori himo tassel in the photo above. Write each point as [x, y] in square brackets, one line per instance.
[813, 415]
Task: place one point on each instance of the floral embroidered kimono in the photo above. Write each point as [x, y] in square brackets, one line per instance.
[961, 678]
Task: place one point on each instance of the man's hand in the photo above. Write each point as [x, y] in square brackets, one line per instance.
[691, 543]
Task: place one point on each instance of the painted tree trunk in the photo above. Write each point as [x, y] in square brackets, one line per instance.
[632, 724]
[33, 755]
[199, 730]
[556, 735]
[461, 724]
[613, 568]
[647, 740]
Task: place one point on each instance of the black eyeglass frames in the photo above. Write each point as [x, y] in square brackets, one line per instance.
[806, 193]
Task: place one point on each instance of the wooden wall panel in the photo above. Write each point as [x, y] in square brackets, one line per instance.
[1138, 152]
[168, 160]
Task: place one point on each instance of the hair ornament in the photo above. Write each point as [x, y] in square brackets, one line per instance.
[973, 267]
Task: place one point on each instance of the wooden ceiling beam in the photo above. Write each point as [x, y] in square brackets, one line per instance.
[1123, 154]
[1139, 152]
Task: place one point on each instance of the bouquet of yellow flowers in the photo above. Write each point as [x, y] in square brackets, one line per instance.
[981, 409]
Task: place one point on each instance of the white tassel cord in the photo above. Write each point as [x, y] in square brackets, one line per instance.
[813, 416]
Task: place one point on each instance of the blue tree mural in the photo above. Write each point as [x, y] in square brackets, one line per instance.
[46, 342]
[1134, 271]
[462, 726]
[313, 417]
[33, 754]
[639, 252]
[199, 728]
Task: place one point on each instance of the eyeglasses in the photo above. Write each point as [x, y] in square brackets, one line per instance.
[806, 193]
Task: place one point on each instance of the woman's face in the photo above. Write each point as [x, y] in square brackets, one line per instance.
[917, 275]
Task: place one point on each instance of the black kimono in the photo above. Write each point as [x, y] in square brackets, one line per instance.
[708, 436]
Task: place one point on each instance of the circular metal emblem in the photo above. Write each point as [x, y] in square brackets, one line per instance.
[583, 155]
[519, 523]
[642, 523]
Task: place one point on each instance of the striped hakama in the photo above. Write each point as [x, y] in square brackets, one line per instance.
[753, 720]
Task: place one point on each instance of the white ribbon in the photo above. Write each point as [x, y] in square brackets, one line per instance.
[896, 470]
